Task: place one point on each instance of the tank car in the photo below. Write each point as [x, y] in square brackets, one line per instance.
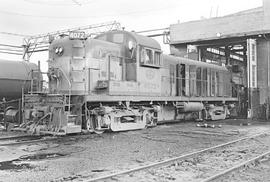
[122, 81]
[16, 77]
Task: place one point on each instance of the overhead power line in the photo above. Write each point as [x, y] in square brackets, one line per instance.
[60, 2]
[38, 16]
[11, 50]
[14, 34]
[8, 45]
[84, 17]
[153, 30]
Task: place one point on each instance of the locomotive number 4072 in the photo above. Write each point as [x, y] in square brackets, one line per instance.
[77, 35]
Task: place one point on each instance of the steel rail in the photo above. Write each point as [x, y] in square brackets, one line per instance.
[26, 141]
[236, 167]
[36, 138]
[168, 161]
[16, 137]
[23, 142]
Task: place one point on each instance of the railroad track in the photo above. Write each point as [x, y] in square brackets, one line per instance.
[175, 167]
[236, 167]
[25, 139]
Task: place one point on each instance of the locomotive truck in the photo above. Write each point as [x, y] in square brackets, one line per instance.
[121, 81]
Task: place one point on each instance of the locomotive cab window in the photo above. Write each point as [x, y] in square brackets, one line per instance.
[150, 57]
[157, 60]
[118, 38]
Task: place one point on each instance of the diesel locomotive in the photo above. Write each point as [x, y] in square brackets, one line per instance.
[120, 81]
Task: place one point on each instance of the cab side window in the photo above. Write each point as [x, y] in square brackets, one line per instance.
[157, 58]
[146, 56]
[150, 57]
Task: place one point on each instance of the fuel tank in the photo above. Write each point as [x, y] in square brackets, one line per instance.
[189, 106]
[15, 76]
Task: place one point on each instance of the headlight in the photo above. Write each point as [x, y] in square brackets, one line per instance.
[56, 50]
[59, 51]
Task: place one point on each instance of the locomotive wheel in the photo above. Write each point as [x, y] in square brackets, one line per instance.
[88, 126]
[150, 119]
[98, 131]
[93, 123]
[204, 114]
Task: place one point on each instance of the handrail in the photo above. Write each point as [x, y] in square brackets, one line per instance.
[69, 91]
[41, 81]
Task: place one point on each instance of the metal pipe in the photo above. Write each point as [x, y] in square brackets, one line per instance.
[153, 30]
[39, 84]
[156, 35]
[32, 80]
[268, 73]
[22, 104]
[268, 58]
[109, 67]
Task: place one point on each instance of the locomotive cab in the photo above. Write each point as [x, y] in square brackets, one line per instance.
[141, 61]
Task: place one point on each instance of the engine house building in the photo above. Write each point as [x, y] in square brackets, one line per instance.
[239, 41]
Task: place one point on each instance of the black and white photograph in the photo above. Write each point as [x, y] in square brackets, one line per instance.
[134, 91]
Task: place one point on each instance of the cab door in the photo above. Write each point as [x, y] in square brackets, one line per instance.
[192, 73]
[172, 80]
[180, 81]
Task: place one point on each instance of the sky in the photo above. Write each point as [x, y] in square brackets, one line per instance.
[32, 17]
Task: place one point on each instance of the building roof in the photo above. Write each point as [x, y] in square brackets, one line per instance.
[245, 23]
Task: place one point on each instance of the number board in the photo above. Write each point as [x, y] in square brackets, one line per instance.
[77, 35]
